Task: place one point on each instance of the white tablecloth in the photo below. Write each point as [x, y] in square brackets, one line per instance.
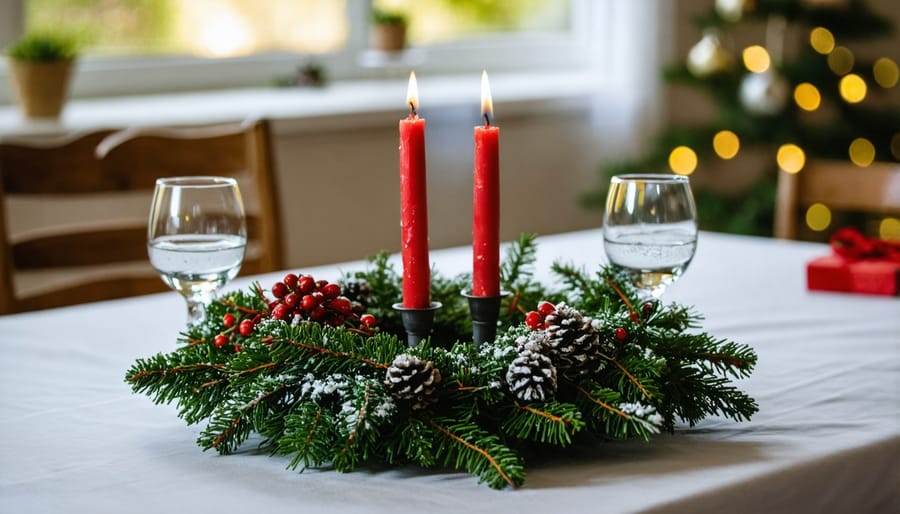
[73, 438]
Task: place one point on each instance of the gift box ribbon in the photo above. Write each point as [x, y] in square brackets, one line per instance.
[851, 244]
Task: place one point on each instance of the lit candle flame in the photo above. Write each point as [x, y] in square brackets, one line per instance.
[412, 94]
[487, 104]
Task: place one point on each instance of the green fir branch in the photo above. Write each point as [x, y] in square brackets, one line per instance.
[548, 423]
[482, 454]
[309, 436]
[182, 377]
[691, 395]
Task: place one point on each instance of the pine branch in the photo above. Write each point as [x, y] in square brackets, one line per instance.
[691, 395]
[714, 355]
[517, 266]
[329, 350]
[179, 377]
[232, 421]
[607, 414]
[309, 435]
[348, 456]
[466, 446]
[549, 423]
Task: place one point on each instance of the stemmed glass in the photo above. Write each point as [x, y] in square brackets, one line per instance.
[196, 236]
[650, 229]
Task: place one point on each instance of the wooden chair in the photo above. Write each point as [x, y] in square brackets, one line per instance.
[839, 185]
[107, 257]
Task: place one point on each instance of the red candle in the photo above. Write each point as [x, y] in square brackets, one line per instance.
[414, 206]
[486, 212]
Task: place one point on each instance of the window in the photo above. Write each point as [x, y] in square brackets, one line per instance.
[141, 46]
[203, 28]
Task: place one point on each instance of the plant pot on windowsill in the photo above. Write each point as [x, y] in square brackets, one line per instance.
[40, 70]
[388, 32]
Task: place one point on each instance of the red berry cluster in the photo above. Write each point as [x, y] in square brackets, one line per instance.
[316, 300]
[536, 320]
[304, 297]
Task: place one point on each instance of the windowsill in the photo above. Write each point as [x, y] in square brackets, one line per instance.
[345, 104]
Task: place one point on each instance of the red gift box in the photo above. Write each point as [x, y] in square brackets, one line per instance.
[858, 265]
[868, 276]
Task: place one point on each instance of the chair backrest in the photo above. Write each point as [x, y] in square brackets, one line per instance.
[840, 186]
[108, 258]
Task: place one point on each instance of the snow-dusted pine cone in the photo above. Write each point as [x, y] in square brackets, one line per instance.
[412, 379]
[532, 376]
[574, 344]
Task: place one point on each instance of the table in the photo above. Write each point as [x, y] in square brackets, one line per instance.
[827, 438]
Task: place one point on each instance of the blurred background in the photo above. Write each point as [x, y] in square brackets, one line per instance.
[727, 91]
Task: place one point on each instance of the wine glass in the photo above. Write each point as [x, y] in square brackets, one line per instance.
[650, 229]
[196, 236]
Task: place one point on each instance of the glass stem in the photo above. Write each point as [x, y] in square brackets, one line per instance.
[196, 305]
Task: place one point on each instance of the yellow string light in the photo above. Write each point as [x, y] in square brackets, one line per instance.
[790, 158]
[818, 217]
[889, 228]
[807, 96]
[756, 59]
[726, 144]
[853, 88]
[821, 40]
[886, 72]
[683, 160]
[862, 152]
[841, 60]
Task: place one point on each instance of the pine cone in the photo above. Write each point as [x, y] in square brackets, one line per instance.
[532, 376]
[412, 379]
[574, 344]
[358, 291]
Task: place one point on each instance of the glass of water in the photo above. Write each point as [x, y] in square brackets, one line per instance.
[650, 229]
[196, 236]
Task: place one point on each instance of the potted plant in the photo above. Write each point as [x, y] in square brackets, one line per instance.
[388, 31]
[40, 66]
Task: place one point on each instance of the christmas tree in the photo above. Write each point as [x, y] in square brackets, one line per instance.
[796, 95]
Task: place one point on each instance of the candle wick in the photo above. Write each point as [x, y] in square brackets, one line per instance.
[487, 119]
[412, 109]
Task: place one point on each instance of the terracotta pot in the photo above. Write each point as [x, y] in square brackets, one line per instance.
[41, 87]
[388, 37]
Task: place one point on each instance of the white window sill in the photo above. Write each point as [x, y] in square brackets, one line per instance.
[345, 104]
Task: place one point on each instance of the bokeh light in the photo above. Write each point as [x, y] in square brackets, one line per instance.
[862, 152]
[840, 60]
[853, 88]
[821, 40]
[818, 217]
[889, 228]
[807, 96]
[791, 158]
[756, 59]
[886, 72]
[726, 144]
[683, 160]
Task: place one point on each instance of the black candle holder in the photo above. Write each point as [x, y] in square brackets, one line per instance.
[417, 321]
[484, 311]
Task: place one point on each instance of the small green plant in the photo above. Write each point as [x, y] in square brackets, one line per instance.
[383, 17]
[44, 47]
